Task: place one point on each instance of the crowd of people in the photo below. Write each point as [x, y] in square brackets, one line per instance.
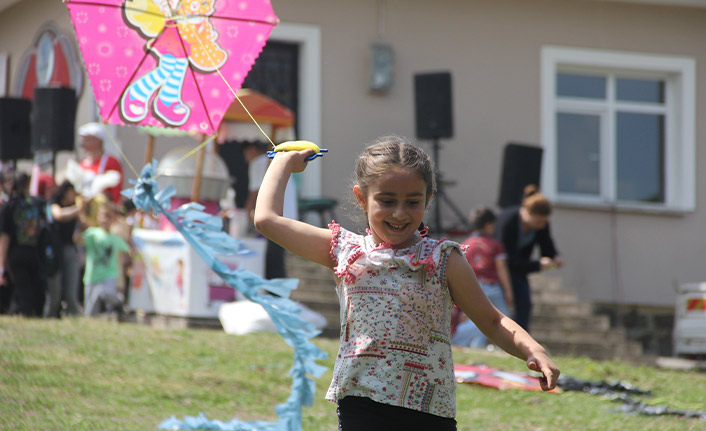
[64, 248]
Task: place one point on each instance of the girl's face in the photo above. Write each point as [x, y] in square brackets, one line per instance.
[395, 206]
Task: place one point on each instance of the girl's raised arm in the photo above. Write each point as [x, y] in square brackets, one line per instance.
[301, 238]
[503, 331]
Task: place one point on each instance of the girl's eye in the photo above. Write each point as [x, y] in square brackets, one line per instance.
[413, 203]
[387, 202]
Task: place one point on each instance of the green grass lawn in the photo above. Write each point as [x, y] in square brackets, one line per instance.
[83, 374]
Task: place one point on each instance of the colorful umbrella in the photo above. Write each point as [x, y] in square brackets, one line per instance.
[169, 63]
[262, 108]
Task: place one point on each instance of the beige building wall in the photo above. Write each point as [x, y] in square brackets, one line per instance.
[493, 50]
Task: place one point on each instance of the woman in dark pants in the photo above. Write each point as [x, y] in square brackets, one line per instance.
[520, 229]
[22, 219]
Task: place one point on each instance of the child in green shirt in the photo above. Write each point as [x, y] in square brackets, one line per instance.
[102, 267]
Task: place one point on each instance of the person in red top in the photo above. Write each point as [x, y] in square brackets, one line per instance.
[487, 258]
[96, 161]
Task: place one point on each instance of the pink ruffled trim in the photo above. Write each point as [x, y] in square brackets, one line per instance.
[335, 231]
[426, 249]
[428, 262]
[343, 273]
[347, 275]
[382, 246]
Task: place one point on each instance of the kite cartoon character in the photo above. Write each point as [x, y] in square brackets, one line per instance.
[178, 32]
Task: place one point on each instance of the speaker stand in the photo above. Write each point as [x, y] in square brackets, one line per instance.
[441, 195]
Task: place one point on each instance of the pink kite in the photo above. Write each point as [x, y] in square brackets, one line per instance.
[495, 378]
[169, 63]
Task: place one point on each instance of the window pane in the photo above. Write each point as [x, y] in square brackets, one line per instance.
[571, 85]
[578, 153]
[640, 157]
[641, 90]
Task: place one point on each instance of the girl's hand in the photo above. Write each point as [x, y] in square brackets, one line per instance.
[541, 363]
[296, 159]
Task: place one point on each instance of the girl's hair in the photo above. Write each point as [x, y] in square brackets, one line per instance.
[481, 216]
[61, 191]
[535, 202]
[390, 152]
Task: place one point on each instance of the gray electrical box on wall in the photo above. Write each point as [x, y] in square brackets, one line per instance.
[382, 67]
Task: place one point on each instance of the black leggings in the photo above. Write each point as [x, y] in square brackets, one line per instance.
[274, 261]
[364, 414]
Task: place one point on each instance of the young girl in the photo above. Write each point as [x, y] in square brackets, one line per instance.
[486, 256]
[394, 368]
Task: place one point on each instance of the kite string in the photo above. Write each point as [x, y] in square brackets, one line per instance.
[205, 142]
[117, 147]
[186, 156]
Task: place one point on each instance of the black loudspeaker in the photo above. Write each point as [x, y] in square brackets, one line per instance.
[53, 119]
[432, 99]
[15, 129]
[522, 165]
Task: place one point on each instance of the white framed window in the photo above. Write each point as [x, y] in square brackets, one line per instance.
[618, 129]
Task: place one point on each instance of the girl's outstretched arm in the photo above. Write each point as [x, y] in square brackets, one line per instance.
[303, 239]
[502, 330]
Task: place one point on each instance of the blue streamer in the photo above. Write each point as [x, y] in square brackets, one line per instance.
[204, 233]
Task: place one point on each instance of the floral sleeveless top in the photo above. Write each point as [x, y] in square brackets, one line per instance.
[395, 323]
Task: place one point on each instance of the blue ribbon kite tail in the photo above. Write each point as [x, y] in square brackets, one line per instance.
[204, 233]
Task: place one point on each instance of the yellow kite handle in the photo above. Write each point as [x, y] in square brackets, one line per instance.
[297, 146]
